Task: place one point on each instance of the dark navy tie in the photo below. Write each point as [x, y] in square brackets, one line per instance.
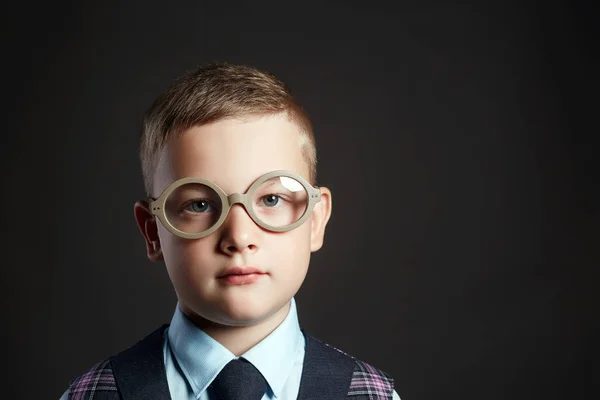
[239, 380]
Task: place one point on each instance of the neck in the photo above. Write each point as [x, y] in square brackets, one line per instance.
[239, 339]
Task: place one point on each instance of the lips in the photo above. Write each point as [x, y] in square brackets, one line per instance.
[240, 275]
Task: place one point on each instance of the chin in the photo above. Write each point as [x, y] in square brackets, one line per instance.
[244, 312]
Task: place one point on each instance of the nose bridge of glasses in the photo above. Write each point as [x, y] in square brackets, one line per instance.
[235, 198]
[238, 198]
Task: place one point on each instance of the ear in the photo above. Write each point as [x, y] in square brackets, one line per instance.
[147, 224]
[319, 218]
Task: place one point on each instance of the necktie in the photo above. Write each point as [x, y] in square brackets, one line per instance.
[239, 380]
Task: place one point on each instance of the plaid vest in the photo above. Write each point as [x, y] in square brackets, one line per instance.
[139, 373]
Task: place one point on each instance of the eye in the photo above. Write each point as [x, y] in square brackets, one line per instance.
[198, 206]
[270, 200]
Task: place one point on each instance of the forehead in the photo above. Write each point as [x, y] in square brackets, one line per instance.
[232, 152]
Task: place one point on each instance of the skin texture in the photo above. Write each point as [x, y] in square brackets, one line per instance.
[233, 153]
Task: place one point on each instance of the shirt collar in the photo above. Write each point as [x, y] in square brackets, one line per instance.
[276, 354]
[201, 358]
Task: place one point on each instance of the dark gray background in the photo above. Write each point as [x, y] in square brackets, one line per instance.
[476, 280]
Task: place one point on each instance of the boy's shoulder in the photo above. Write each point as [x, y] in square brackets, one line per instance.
[140, 360]
[366, 380]
[97, 383]
[356, 379]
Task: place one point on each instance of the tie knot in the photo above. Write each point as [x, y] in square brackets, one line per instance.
[239, 380]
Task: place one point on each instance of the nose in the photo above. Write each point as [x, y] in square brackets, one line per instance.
[239, 232]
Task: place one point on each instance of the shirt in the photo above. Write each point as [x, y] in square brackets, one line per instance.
[193, 359]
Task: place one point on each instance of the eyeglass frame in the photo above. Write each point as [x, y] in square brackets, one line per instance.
[157, 206]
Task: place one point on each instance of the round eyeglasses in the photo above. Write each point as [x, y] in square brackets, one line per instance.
[193, 208]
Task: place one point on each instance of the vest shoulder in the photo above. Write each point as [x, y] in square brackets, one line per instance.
[370, 381]
[97, 382]
[367, 381]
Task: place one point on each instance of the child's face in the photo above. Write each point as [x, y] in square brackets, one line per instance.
[233, 154]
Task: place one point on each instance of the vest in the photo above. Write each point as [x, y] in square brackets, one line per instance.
[138, 373]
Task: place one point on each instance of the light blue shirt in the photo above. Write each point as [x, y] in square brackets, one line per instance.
[193, 359]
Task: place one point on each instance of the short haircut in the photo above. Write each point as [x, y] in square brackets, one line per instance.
[214, 92]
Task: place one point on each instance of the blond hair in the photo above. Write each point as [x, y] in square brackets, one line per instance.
[215, 92]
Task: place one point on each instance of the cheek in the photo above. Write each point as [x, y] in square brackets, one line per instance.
[187, 261]
[291, 251]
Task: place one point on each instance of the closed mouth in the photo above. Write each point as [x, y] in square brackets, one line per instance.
[232, 271]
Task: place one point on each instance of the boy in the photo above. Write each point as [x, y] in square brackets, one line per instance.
[229, 165]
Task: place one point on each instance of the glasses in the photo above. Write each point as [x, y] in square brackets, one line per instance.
[193, 208]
